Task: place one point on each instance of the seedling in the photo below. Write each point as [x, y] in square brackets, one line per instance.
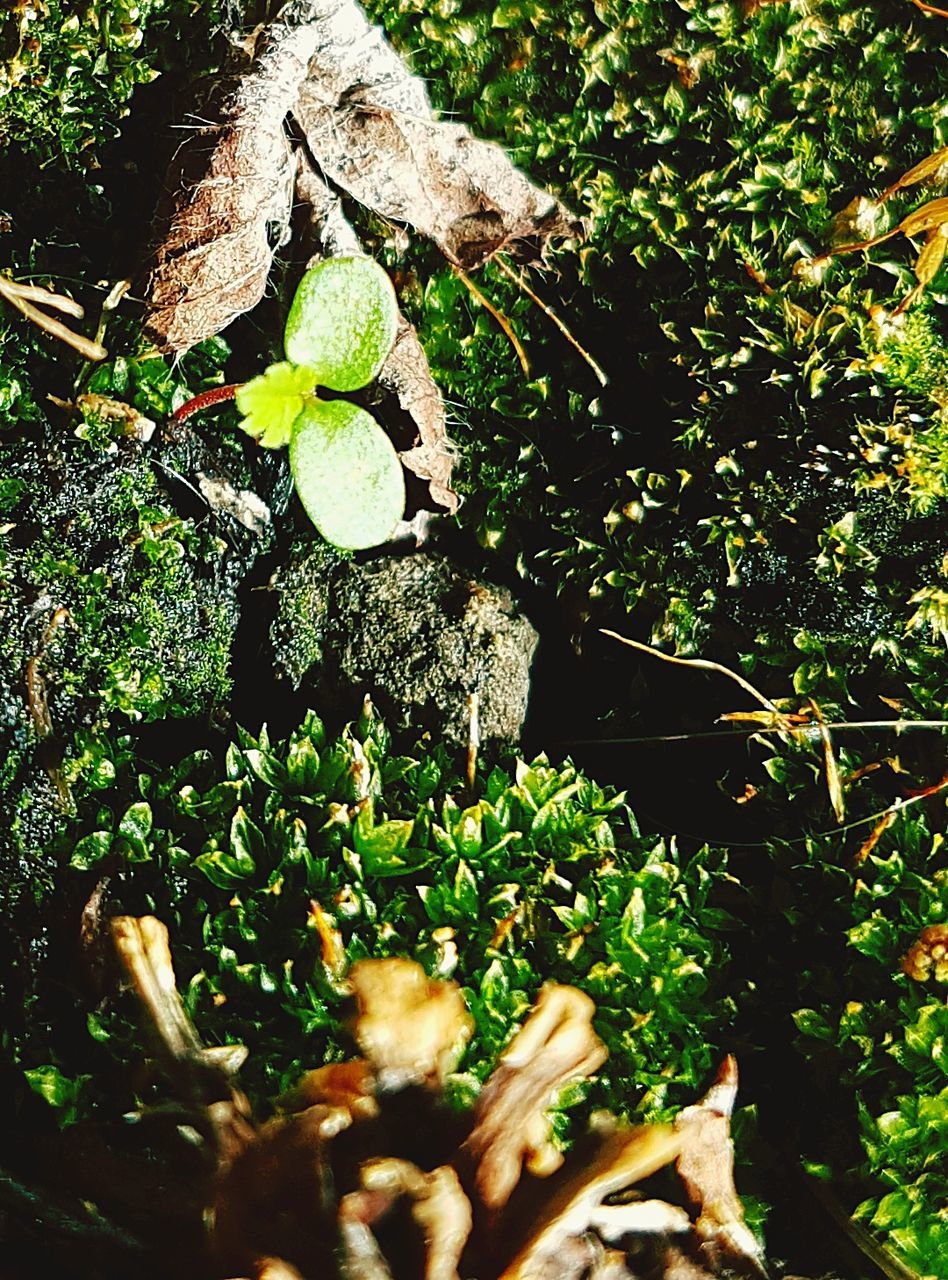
[339, 332]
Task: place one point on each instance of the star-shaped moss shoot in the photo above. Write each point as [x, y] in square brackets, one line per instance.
[339, 332]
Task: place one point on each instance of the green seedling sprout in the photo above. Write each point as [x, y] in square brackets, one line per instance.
[339, 332]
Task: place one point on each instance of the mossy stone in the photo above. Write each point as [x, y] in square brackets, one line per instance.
[416, 632]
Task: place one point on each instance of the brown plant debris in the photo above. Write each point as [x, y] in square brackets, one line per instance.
[927, 957]
[230, 183]
[24, 296]
[370, 125]
[353, 1180]
[202, 1076]
[706, 1167]
[371, 130]
[411, 1029]
[556, 1044]
[438, 1206]
[624, 1157]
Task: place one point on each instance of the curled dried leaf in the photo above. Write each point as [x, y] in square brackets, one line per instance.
[927, 957]
[639, 1217]
[411, 1029]
[556, 1044]
[370, 125]
[930, 167]
[439, 1208]
[932, 214]
[142, 946]
[230, 189]
[204, 1075]
[339, 1084]
[624, 1158]
[706, 1167]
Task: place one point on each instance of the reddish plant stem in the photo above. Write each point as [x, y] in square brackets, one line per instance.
[216, 395]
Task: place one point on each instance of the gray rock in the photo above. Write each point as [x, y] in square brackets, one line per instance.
[415, 632]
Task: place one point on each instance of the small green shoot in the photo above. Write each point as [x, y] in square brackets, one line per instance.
[339, 332]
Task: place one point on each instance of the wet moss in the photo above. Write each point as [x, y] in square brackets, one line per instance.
[115, 608]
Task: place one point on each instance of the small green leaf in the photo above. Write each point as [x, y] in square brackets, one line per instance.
[812, 1023]
[90, 850]
[272, 402]
[302, 766]
[347, 474]
[223, 870]
[247, 842]
[58, 1090]
[135, 828]
[465, 890]
[342, 322]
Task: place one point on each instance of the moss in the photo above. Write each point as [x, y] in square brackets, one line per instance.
[114, 608]
[709, 149]
[538, 874]
[68, 70]
[298, 630]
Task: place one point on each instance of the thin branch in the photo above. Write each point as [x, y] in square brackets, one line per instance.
[834, 783]
[807, 731]
[521, 283]
[58, 301]
[702, 664]
[20, 295]
[473, 740]
[498, 316]
[930, 8]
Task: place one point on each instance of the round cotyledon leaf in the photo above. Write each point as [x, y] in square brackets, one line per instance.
[342, 322]
[347, 474]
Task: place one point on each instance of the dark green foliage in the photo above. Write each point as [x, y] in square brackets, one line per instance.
[541, 875]
[765, 479]
[68, 69]
[875, 1035]
[118, 589]
[754, 421]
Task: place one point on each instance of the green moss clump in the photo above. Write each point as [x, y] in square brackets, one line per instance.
[873, 1029]
[710, 150]
[113, 607]
[540, 874]
[765, 479]
[298, 630]
[68, 70]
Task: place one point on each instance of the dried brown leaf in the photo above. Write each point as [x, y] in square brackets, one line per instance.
[338, 1084]
[410, 1028]
[407, 376]
[439, 1208]
[204, 1076]
[932, 255]
[556, 1044]
[930, 215]
[921, 172]
[706, 1167]
[230, 182]
[370, 125]
[142, 946]
[875, 835]
[834, 783]
[625, 1157]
